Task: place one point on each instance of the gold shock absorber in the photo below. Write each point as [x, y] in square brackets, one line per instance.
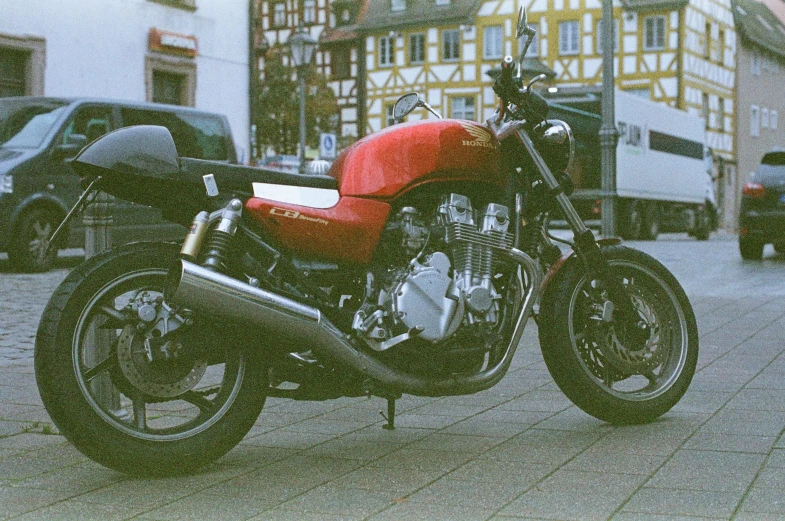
[195, 236]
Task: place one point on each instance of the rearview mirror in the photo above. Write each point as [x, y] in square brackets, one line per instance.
[404, 105]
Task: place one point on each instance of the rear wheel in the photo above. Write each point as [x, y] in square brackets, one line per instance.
[702, 224]
[27, 251]
[129, 381]
[750, 249]
[596, 363]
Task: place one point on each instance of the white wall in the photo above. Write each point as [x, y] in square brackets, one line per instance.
[98, 48]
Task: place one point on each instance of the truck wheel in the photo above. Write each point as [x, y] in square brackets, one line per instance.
[651, 222]
[631, 229]
[750, 249]
[27, 251]
[702, 225]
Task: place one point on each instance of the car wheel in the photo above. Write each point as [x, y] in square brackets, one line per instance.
[28, 249]
[750, 249]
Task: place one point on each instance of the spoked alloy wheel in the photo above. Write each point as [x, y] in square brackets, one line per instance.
[596, 363]
[123, 391]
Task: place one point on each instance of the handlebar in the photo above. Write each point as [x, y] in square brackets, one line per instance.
[533, 106]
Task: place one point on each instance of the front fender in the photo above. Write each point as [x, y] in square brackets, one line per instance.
[567, 255]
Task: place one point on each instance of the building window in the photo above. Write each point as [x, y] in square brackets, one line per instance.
[654, 33]
[707, 40]
[389, 119]
[13, 78]
[170, 81]
[190, 5]
[341, 63]
[615, 36]
[398, 5]
[764, 118]
[462, 107]
[773, 123]
[705, 109]
[309, 11]
[279, 14]
[754, 121]
[755, 63]
[168, 88]
[721, 115]
[492, 42]
[443, 2]
[531, 52]
[417, 48]
[386, 57]
[451, 45]
[22, 65]
[568, 37]
[721, 43]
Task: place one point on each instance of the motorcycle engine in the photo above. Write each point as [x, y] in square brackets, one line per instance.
[446, 279]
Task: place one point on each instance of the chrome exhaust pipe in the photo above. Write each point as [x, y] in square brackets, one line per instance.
[219, 296]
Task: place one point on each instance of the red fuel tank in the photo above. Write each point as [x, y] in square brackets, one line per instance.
[390, 162]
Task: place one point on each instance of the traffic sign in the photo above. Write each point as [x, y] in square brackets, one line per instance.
[327, 144]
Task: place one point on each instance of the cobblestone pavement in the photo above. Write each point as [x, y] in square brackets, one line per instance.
[517, 451]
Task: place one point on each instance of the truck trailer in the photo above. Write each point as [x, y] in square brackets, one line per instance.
[663, 168]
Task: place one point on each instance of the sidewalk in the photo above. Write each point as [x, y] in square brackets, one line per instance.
[517, 451]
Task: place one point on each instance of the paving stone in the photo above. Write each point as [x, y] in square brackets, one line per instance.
[200, 507]
[709, 471]
[426, 512]
[571, 495]
[730, 443]
[764, 500]
[340, 501]
[699, 503]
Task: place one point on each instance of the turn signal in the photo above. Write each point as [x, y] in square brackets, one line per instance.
[754, 190]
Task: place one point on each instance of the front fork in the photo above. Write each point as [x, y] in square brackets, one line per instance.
[586, 244]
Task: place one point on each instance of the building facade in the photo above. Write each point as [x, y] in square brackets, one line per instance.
[678, 52]
[184, 52]
[333, 23]
[760, 106]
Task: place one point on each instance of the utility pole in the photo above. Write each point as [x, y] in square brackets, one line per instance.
[609, 135]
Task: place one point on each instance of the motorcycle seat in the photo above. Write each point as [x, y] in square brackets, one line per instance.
[241, 178]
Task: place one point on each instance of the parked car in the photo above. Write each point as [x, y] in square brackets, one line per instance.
[37, 187]
[762, 214]
[283, 163]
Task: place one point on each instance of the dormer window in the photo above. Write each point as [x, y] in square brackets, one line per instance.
[398, 5]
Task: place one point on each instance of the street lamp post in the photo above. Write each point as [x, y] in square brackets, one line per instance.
[609, 136]
[301, 49]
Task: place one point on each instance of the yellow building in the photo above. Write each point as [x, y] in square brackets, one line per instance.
[679, 52]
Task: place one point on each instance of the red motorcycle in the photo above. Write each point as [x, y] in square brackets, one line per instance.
[413, 267]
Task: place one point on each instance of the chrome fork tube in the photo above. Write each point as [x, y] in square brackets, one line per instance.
[573, 219]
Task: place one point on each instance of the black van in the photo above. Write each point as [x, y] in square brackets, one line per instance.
[37, 187]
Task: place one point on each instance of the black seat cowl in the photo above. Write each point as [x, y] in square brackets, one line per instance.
[240, 178]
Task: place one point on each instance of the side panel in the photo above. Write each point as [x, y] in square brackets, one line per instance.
[346, 233]
[391, 161]
[660, 152]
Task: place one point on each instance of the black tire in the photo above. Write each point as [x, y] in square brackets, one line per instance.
[651, 222]
[177, 419]
[27, 250]
[751, 249]
[587, 357]
[702, 225]
[633, 223]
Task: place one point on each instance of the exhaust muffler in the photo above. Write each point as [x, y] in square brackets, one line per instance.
[216, 295]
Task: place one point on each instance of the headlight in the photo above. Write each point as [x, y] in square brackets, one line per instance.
[6, 184]
[557, 145]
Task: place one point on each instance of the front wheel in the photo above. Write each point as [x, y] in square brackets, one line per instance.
[134, 384]
[593, 361]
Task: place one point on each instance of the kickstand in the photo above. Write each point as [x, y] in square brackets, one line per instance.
[390, 417]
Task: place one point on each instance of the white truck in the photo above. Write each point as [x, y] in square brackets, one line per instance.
[663, 181]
